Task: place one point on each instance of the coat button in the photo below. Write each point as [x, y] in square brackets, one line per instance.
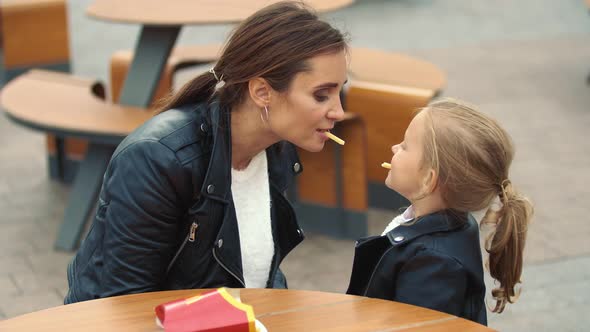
[203, 127]
[219, 243]
[296, 167]
[398, 239]
[210, 189]
[299, 232]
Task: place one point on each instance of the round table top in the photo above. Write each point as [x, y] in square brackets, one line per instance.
[181, 12]
[278, 309]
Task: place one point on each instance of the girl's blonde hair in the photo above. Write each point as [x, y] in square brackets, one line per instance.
[472, 154]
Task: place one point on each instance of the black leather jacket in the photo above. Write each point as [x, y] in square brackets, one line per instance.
[166, 218]
[434, 263]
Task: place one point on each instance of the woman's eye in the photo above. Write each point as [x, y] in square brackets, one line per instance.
[320, 98]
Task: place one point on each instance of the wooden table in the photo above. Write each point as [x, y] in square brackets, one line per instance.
[161, 22]
[278, 310]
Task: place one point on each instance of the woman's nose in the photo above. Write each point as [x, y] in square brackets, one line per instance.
[337, 112]
[394, 148]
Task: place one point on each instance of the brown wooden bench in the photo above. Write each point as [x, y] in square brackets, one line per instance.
[34, 33]
[67, 106]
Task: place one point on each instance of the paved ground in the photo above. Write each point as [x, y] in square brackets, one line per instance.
[525, 62]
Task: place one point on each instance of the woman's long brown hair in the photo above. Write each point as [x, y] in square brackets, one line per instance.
[274, 43]
[472, 154]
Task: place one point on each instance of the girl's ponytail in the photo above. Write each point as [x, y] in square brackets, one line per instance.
[472, 154]
[506, 244]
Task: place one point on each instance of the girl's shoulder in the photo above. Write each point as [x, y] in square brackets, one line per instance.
[446, 231]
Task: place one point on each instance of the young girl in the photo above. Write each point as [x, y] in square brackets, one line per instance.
[453, 160]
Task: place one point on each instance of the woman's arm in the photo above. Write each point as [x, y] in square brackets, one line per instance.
[141, 222]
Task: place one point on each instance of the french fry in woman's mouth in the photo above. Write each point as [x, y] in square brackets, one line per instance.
[386, 165]
[334, 138]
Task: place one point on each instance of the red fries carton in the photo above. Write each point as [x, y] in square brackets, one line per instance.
[213, 311]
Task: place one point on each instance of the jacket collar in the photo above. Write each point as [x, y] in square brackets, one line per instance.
[442, 221]
[219, 168]
[283, 161]
[283, 164]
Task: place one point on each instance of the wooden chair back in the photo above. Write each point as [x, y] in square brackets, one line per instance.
[387, 112]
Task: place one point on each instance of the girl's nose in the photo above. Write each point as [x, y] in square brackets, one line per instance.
[394, 148]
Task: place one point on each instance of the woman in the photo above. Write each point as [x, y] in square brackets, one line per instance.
[193, 198]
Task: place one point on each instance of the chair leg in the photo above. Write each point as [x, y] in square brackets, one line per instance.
[55, 157]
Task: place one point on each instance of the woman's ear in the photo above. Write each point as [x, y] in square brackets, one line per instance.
[260, 91]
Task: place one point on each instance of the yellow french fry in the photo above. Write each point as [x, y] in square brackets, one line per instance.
[335, 138]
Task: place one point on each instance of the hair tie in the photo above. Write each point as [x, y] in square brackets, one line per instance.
[503, 185]
[212, 71]
[220, 81]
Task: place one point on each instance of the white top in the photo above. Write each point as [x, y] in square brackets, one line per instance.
[403, 218]
[251, 194]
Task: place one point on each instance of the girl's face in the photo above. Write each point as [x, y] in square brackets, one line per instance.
[312, 105]
[407, 174]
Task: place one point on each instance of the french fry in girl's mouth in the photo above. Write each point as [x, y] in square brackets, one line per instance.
[386, 165]
[334, 138]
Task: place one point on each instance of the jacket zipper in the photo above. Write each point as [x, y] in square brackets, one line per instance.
[275, 258]
[274, 267]
[192, 232]
[375, 270]
[225, 268]
[276, 262]
[189, 237]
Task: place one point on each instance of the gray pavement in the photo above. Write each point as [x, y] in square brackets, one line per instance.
[524, 62]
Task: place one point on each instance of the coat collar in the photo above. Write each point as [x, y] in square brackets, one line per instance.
[442, 221]
[283, 161]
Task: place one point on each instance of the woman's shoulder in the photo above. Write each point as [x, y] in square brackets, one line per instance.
[182, 122]
[173, 130]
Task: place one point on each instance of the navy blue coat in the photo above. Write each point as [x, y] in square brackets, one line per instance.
[434, 263]
[166, 218]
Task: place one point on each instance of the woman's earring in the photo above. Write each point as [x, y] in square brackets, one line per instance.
[265, 120]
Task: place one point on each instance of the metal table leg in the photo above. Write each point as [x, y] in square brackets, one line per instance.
[83, 195]
[152, 51]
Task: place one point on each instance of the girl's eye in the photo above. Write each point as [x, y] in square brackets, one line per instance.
[320, 98]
